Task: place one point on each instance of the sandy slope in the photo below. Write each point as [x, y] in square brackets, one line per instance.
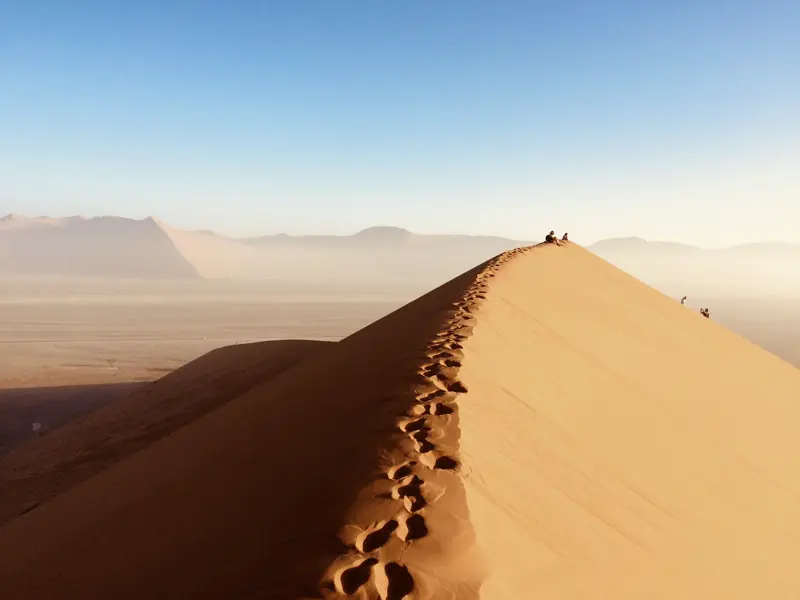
[50, 407]
[214, 256]
[49, 465]
[548, 427]
[621, 446]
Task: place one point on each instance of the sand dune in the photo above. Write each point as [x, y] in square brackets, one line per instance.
[544, 426]
[49, 465]
[50, 407]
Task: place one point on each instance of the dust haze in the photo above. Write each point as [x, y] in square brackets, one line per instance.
[103, 304]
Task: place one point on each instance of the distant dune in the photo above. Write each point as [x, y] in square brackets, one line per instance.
[27, 413]
[51, 464]
[542, 426]
[213, 256]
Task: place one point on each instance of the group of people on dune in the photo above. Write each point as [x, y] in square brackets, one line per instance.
[703, 311]
[552, 238]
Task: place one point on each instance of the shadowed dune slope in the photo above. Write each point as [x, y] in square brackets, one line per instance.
[49, 465]
[544, 426]
[247, 501]
[50, 408]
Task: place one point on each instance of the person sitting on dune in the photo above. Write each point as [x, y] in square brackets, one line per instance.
[565, 238]
[552, 238]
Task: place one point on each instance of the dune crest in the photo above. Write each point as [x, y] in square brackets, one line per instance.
[543, 426]
[393, 550]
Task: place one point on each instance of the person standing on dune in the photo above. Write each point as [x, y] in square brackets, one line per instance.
[683, 301]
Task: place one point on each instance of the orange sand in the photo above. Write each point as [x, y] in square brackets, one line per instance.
[544, 426]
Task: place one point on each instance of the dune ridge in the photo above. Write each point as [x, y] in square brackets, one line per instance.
[421, 475]
[543, 426]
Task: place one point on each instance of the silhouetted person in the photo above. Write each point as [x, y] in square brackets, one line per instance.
[565, 237]
[683, 301]
[552, 238]
[705, 313]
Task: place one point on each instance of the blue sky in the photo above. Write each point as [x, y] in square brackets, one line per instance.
[665, 119]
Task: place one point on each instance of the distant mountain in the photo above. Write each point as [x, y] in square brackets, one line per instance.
[375, 254]
[767, 267]
[127, 248]
[636, 244]
[639, 245]
[117, 247]
[99, 247]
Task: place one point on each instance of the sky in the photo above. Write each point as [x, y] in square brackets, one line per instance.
[674, 120]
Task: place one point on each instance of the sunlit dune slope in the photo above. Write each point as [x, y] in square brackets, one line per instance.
[619, 445]
[47, 466]
[544, 426]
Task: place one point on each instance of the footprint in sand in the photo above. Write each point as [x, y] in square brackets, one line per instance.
[401, 471]
[440, 408]
[410, 426]
[432, 396]
[410, 492]
[351, 578]
[394, 582]
[375, 537]
[438, 462]
[412, 528]
[421, 442]
[457, 387]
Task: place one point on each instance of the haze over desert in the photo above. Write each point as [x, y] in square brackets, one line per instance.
[494, 442]
[399, 301]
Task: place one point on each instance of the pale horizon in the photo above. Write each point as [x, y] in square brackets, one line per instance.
[535, 236]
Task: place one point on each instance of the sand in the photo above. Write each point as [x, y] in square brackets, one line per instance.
[27, 413]
[544, 426]
[51, 464]
[64, 331]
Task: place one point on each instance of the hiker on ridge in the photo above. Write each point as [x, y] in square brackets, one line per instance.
[552, 238]
[683, 301]
[565, 237]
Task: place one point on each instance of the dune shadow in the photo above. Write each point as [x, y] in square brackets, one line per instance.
[27, 413]
[100, 425]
